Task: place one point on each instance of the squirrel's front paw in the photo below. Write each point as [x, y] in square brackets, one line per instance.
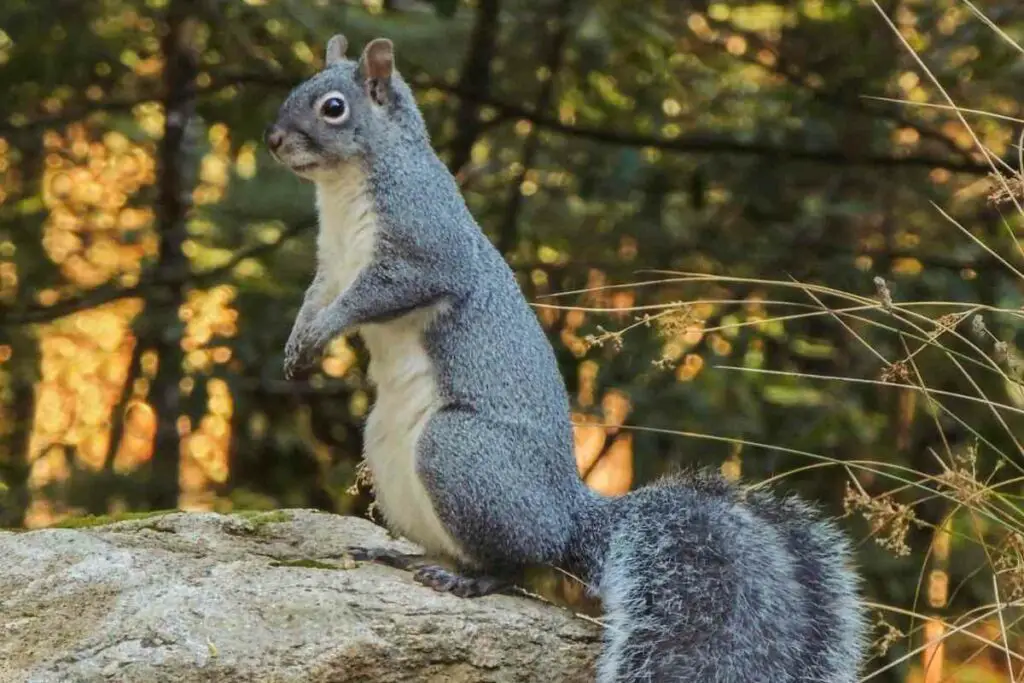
[296, 361]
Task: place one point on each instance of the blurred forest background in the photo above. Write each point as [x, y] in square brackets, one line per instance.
[829, 250]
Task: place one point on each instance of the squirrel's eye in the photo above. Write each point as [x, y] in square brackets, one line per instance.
[333, 109]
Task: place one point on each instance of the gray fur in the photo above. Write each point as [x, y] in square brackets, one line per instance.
[725, 589]
[699, 583]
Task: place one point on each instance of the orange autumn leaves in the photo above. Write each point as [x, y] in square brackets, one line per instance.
[99, 230]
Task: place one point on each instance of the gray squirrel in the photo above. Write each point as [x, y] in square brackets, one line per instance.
[470, 442]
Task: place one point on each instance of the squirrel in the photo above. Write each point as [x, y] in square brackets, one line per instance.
[469, 441]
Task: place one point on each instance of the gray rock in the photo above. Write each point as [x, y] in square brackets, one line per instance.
[270, 597]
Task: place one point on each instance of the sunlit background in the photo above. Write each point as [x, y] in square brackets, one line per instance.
[834, 287]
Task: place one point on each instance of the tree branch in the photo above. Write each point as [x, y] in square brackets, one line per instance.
[693, 143]
[104, 294]
[712, 143]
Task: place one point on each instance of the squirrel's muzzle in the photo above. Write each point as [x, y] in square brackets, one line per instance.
[273, 136]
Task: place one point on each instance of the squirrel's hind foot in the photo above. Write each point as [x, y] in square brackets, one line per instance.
[463, 585]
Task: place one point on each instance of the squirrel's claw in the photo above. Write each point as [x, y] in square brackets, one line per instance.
[431, 575]
[446, 581]
[301, 351]
[390, 558]
[296, 361]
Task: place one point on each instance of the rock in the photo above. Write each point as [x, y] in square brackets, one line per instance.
[269, 597]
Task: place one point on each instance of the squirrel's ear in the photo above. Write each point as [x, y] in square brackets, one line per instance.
[336, 47]
[377, 64]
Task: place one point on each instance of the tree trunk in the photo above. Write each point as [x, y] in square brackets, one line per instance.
[508, 233]
[475, 82]
[174, 203]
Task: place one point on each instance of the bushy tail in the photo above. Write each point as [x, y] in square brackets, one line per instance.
[704, 584]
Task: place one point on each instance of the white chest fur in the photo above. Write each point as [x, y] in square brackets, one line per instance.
[348, 230]
[407, 394]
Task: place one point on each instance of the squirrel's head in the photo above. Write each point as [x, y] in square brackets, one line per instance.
[345, 113]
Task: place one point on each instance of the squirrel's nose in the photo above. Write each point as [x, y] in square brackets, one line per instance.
[274, 136]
